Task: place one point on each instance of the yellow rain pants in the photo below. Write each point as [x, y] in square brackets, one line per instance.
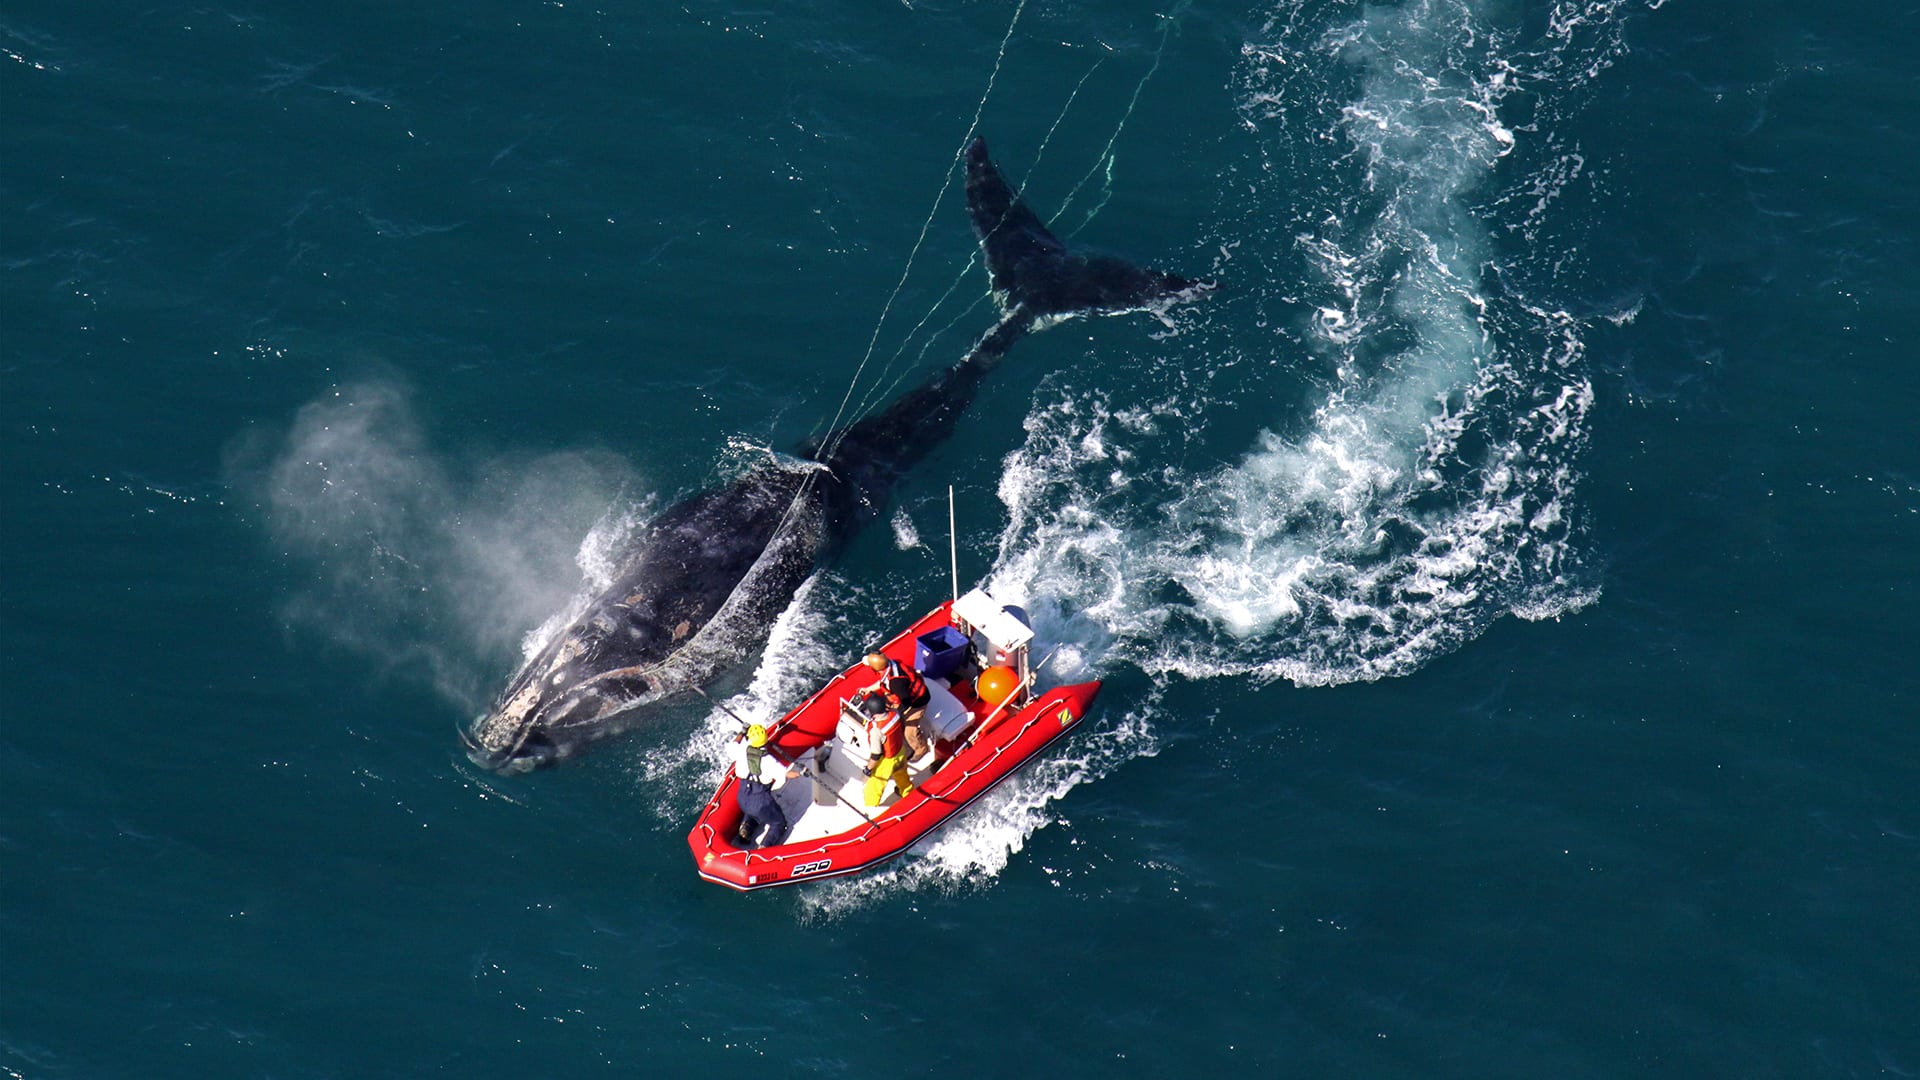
[890, 768]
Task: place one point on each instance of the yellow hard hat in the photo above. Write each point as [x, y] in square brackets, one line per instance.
[756, 735]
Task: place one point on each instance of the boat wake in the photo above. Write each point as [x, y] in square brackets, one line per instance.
[1407, 388]
[1357, 457]
[802, 650]
[976, 846]
[1415, 475]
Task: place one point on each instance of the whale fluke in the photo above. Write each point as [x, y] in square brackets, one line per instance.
[1032, 272]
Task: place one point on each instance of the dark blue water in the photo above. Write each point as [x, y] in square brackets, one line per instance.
[1504, 586]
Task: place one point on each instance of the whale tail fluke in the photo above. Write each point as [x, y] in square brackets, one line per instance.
[1034, 274]
[1038, 282]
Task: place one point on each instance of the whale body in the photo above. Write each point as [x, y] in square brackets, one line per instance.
[698, 588]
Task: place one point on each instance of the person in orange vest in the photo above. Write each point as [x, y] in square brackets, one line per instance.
[905, 691]
[886, 752]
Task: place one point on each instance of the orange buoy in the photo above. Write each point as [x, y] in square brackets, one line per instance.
[996, 684]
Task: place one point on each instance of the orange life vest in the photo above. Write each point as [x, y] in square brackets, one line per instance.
[905, 687]
[885, 729]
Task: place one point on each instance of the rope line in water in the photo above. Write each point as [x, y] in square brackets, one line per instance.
[973, 257]
[827, 449]
[870, 400]
[1106, 154]
[927, 225]
[883, 387]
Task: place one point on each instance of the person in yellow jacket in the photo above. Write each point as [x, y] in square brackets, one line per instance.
[886, 754]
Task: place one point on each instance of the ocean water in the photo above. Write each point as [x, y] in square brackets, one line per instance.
[1504, 586]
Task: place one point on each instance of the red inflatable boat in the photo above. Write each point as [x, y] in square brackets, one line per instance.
[983, 714]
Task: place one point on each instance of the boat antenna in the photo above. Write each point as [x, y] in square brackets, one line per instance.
[953, 544]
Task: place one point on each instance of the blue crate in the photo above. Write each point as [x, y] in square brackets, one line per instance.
[939, 653]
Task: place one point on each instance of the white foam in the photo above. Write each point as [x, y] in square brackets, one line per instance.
[977, 845]
[1433, 486]
[1425, 490]
[1428, 483]
[798, 655]
[906, 536]
[599, 560]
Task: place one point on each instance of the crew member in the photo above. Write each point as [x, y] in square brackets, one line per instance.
[906, 692]
[886, 753]
[760, 775]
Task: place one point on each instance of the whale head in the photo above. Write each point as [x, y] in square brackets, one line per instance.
[693, 597]
[588, 684]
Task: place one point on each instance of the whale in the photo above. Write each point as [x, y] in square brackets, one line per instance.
[695, 591]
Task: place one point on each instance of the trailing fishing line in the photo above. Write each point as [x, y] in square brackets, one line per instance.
[882, 387]
[927, 225]
[1103, 162]
[1106, 154]
[868, 402]
[827, 449]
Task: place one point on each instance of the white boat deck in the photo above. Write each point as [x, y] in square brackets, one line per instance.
[810, 802]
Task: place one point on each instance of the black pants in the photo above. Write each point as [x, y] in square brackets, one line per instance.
[759, 807]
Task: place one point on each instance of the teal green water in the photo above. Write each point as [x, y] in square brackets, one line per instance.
[1503, 586]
